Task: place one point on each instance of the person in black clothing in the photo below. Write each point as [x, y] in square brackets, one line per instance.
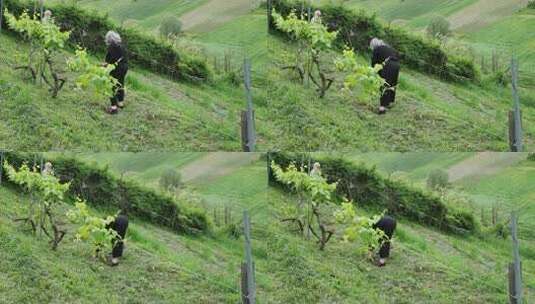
[116, 55]
[120, 225]
[384, 54]
[386, 224]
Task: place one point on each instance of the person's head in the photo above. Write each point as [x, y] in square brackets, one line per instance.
[317, 13]
[47, 14]
[48, 166]
[112, 38]
[376, 42]
[317, 166]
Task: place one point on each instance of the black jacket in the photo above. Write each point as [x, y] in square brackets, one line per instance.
[382, 53]
[117, 54]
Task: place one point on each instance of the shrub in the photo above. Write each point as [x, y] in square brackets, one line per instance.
[170, 27]
[438, 179]
[531, 4]
[170, 180]
[438, 28]
[531, 156]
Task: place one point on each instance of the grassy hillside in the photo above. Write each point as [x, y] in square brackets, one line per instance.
[426, 266]
[160, 114]
[196, 15]
[464, 14]
[158, 266]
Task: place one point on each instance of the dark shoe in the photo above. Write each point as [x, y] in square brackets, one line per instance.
[112, 110]
[381, 263]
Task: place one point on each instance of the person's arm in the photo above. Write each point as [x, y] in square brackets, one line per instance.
[376, 58]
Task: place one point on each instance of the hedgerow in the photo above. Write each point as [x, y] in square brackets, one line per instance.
[357, 28]
[366, 186]
[102, 189]
[88, 30]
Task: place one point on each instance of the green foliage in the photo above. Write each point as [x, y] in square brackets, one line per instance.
[170, 180]
[360, 228]
[313, 39]
[531, 4]
[438, 28]
[88, 30]
[48, 192]
[314, 194]
[102, 189]
[438, 179]
[46, 39]
[46, 34]
[170, 28]
[364, 184]
[531, 157]
[92, 77]
[360, 76]
[93, 229]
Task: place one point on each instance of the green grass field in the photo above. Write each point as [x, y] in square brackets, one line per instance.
[160, 266]
[426, 265]
[430, 115]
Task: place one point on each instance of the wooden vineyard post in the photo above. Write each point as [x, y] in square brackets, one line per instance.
[248, 288]
[515, 116]
[247, 117]
[1, 163]
[1, 14]
[269, 6]
[41, 8]
[515, 269]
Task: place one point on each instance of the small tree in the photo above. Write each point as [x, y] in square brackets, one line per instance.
[313, 41]
[50, 194]
[439, 28]
[170, 28]
[93, 229]
[46, 40]
[93, 78]
[363, 78]
[438, 179]
[360, 228]
[314, 194]
[170, 180]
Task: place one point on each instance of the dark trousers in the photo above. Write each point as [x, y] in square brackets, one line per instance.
[119, 73]
[390, 73]
[388, 225]
[120, 226]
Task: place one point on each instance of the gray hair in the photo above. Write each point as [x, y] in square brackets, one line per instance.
[376, 42]
[112, 37]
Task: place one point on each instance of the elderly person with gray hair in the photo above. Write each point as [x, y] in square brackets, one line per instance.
[116, 55]
[384, 54]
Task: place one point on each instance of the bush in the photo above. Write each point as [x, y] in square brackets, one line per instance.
[531, 4]
[170, 180]
[100, 188]
[88, 30]
[438, 179]
[531, 156]
[170, 27]
[438, 28]
[363, 184]
[358, 28]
